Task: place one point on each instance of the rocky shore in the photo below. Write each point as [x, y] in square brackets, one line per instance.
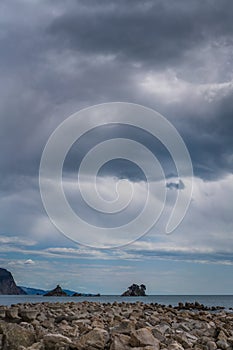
[117, 326]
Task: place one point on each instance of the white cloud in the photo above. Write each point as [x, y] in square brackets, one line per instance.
[168, 87]
[16, 240]
[29, 262]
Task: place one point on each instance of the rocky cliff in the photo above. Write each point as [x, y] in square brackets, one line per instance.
[135, 291]
[56, 292]
[7, 284]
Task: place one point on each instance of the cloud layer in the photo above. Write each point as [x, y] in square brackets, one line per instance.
[176, 58]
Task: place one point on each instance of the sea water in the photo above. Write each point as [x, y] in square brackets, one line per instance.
[208, 300]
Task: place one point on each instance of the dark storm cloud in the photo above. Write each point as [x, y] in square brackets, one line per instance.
[208, 137]
[58, 59]
[158, 33]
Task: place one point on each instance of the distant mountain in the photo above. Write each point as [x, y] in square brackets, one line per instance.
[33, 291]
[37, 291]
[7, 284]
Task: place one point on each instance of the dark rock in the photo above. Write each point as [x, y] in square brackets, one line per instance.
[57, 292]
[15, 336]
[7, 284]
[135, 291]
[2, 312]
[95, 339]
[56, 341]
[12, 313]
[28, 315]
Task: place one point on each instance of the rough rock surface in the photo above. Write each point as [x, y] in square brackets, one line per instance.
[7, 283]
[135, 291]
[56, 292]
[117, 326]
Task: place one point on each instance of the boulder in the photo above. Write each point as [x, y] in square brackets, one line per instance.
[120, 342]
[124, 327]
[12, 313]
[28, 315]
[15, 336]
[95, 339]
[56, 341]
[143, 337]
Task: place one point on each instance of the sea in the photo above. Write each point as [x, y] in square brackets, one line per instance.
[208, 300]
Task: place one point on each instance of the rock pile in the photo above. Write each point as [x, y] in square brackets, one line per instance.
[117, 326]
[197, 306]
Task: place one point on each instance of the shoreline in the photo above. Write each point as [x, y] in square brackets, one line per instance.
[122, 325]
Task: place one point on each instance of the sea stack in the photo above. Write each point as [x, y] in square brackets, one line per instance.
[8, 285]
[135, 291]
[56, 292]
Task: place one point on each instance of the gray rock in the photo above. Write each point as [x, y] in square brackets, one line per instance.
[211, 345]
[95, 339]
[2, 312]
[223, 344]
[35, 346]
[28, 314]
[120, 342]
[15, 336]
[56, 342]
[175, 346]
[158, 335]
[143, 337]
[12, 313]
[125, 327]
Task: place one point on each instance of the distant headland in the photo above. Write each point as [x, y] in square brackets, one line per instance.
[9, 287]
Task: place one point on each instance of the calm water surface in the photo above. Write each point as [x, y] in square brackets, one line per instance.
[208, 300]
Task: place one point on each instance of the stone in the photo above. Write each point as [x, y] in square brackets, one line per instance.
[222, 335]
[223, 344]
[56, 341]
[120, 342]
[211, 345]
[95, 339]
[2, 312]
[162, 328]
[41, 317]
[158, 335]
[15, 336]
[12, 313]
[143, 337]
[28, 314]
[35, 346]
[125, 327]
[175, 346]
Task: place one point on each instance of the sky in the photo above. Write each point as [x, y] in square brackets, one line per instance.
[175, 57]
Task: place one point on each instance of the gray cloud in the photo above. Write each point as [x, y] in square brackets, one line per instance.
[156, 32]
[174, 57]
[57, 60]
